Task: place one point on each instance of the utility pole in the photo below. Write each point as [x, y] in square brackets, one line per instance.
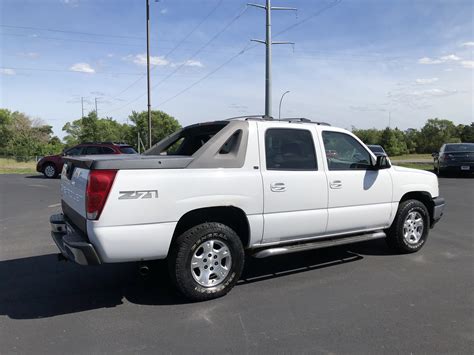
[268, 55]
[82, 106]
[96, 112]
[148, 68]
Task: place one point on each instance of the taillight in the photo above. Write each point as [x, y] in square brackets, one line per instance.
[99, 184]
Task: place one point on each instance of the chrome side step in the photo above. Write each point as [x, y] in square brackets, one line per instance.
[278, 250]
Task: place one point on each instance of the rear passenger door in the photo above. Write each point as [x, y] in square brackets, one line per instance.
[295, 187]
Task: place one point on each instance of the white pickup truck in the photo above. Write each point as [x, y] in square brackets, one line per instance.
[210, 193]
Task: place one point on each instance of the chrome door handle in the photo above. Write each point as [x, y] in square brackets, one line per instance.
[336, 184]
[278, 187]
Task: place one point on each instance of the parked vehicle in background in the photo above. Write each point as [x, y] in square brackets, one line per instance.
[454, 158]
[377, 149]
[52, 165]
[210, 192]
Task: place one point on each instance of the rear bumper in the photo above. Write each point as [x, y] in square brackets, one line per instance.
[438, 209]
[467, 167]
[72, 245]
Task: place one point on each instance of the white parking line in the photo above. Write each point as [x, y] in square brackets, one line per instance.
[55, 205]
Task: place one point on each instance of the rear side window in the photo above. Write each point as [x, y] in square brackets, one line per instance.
[106, 150]
[127, 150]
[289, 149]
[92, 150]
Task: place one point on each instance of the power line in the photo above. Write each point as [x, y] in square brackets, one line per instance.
[199, 50]
[319, 12]
[69, 31]
[174, 48]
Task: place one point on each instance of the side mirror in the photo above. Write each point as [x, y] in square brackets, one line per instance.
[382, 162]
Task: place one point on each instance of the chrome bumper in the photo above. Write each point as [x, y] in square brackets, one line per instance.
[71, 244]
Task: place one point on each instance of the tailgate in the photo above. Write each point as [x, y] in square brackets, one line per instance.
[73, 194]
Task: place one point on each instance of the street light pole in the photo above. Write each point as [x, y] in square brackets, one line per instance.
[148, 68]
[279, 107]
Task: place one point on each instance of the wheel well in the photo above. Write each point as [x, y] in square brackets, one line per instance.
[232, 217]
[422, 196]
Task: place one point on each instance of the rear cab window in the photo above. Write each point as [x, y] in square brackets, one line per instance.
[290, 149]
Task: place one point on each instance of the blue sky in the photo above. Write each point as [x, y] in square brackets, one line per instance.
[352, 64]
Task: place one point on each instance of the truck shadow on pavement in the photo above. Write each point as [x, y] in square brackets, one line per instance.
[42, 286]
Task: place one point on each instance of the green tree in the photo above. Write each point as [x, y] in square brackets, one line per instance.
[368, 136]
[93, 129]
[467, 133]
[162, 125]
[435, 133]
[393, 141]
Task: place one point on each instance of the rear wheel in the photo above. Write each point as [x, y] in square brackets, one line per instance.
[409, 230]
[206, 261]
[50, 171]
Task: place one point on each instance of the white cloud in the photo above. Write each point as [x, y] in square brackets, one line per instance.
[432, 93]
[32, 55]
[450, 57]
[468, 64]
[164, 11]
[140, 59]
[426, 81]
[7, 71]
[193, 63]
[73, 3]
[467, 44]
[443, 59]
[82, 67]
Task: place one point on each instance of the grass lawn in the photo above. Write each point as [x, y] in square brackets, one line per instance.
[11, 166]
[412, 157]
[421, 166]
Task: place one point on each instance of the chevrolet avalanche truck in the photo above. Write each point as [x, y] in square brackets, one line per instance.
[210, 193]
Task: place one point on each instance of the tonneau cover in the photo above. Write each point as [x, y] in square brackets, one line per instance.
[129, 162]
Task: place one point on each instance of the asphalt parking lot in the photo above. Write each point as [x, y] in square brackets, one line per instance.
[350, 299]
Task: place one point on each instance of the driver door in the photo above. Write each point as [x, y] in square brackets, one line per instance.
[359, 197]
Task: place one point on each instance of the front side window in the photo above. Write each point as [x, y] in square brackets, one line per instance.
[290, 149]
[344, 152]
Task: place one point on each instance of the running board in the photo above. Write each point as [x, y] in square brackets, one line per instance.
[278, 250]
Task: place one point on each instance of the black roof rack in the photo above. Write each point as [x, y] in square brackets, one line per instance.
[267, 118]
[252, 117]
[304, 120]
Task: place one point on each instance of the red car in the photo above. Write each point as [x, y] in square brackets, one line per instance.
[52, 165]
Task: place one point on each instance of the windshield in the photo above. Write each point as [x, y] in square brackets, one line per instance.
[464, 147]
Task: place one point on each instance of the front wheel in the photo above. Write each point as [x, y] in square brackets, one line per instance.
[206, 261]
[409, 230]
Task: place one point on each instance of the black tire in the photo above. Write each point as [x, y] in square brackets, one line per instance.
[186, 245]
[50, 171]
[395, 234]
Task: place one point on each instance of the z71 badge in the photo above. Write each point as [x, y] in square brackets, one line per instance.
[137, 195]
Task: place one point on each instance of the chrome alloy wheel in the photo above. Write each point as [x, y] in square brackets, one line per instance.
[413, 228]
[49, 171]
[211, 263]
